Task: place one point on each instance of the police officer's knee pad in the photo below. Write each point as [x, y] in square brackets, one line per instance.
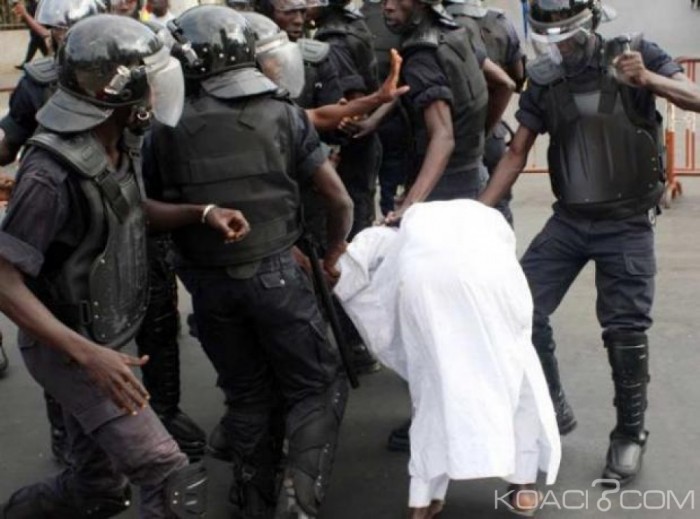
[186, 492]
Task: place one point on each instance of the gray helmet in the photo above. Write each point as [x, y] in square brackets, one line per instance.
[216, 46]
[62, 14]
[108, 62]
[278, 58]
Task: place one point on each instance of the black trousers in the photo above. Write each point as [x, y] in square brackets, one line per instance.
[623, 253]
[266, 339]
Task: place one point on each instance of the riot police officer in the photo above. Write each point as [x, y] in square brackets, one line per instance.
[241, 142]
[595, 97]
[449, 108]
[321, 79]
[158, 337]
[343, 27]
[30, 94]
[492, 30]
[74, 270]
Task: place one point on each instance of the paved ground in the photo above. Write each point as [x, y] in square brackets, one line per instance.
[371, 483]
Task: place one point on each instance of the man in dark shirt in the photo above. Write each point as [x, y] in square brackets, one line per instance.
[448, 102]
[585, 92]
[158, 336]
[256, 313]
[72, 260]
[491, 30]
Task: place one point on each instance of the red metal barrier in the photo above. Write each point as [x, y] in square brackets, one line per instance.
[681, 139]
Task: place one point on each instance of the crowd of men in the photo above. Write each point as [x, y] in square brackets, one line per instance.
[226, 146]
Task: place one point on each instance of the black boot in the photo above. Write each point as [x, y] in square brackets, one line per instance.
[566, 421]
[630, 368]
[252, 494]
[219, 446]
[43, 500]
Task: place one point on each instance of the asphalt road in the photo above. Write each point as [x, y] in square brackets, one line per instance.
[369, 482]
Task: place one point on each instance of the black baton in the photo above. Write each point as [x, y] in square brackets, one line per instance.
[326, 301]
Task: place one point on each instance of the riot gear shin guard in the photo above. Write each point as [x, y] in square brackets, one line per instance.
[312, 444]
[629, 360]
[566, 421]
[186, 492]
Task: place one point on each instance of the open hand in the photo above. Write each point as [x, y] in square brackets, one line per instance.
[111, 371]
[390, 89]
[230, 222]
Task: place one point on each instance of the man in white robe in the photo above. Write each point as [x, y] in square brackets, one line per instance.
[444, 303]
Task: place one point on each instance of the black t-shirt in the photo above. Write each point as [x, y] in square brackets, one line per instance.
[47, 216]
[422, 72]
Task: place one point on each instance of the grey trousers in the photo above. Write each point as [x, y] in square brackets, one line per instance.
[108, 448]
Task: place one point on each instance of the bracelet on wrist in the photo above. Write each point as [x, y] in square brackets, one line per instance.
[205, 212]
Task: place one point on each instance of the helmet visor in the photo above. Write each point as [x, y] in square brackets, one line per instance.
[167, 86]
[572, 49]
[281, 61]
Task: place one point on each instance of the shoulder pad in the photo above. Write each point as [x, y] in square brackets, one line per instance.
[499, 13]
[313, 51]
[428, 38]
[42, 71]
[543, 71]
[80, 151]
[353, 13]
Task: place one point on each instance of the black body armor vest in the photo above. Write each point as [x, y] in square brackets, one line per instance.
[101, 290]
[350, 24]
[235, 154]
[314, 53]
[470, 94]
[605, 158]
[384, 40]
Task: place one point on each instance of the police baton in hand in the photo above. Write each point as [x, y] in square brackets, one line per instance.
[323, 293]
